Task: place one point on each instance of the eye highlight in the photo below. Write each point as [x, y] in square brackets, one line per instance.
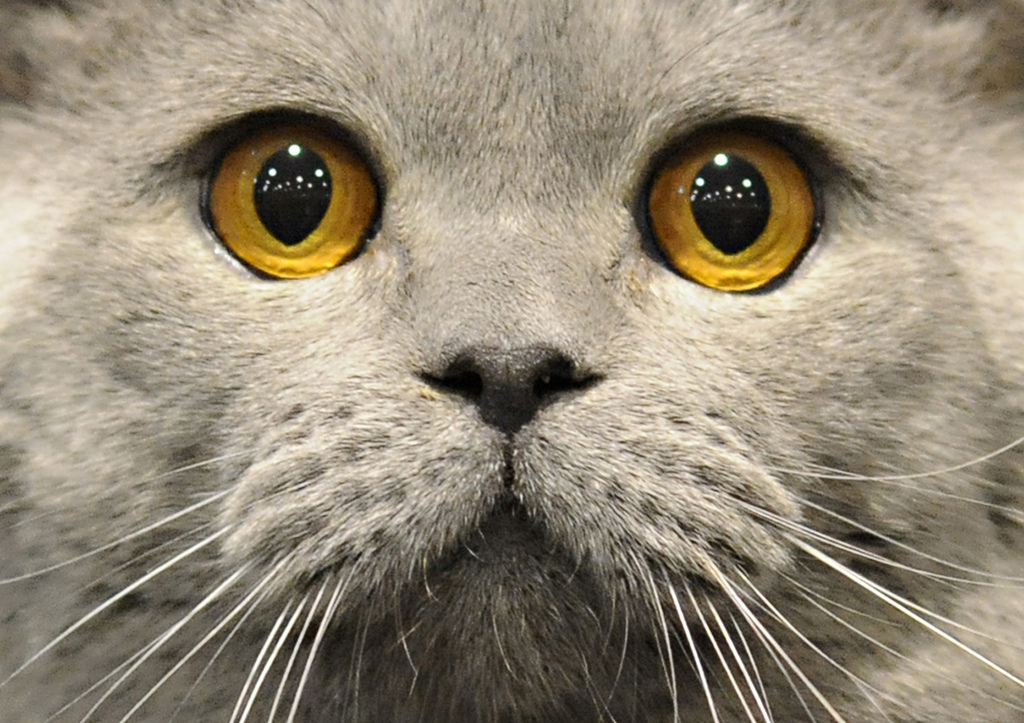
[292, 201]
[732, 211]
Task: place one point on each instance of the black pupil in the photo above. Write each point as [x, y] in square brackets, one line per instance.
[292, 193]
[730, 202]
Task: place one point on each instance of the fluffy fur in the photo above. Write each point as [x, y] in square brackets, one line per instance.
[226, 498]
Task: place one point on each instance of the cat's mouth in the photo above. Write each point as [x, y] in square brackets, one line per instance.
[510, 524]
[508, 536]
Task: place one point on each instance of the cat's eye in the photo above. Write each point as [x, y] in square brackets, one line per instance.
[292, 201]
[732, 210]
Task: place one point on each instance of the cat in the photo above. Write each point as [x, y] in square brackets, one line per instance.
[433, 360]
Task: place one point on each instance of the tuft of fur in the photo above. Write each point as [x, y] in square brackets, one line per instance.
[225, 498]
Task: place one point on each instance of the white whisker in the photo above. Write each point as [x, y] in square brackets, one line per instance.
[907, 608]
[622, 659]
[116, 543]
[753, 664]
[1019, 442]
[778, 616]
[903, 546]
[860, 633]
[247, 604]
[295, 651]
[403, 640]
[268, 664]
[697, 661]
[496, 629]
[106, 678]
[112, 600]
[214, 595]
[726, 667]
[838, 605]
[257, 664]
[766, 637]
[332, 607]
[667, 661]
[784, 669]
[220, 649]
[829, 540]
[739, 661]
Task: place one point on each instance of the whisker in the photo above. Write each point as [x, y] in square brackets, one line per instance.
[783, 668]
[753, 664]
[766, 637]
[281, 639]
[907, 608]
[497, 639]
[697, 661]
[721, 657]
[403, 640]
[667, 661]
[137, 561]
[356, 671]
[246, 604]
[758, 14]
[220, 649]
[739, 661]
[146, 650]
[903, 546]
[778, 616]
[622, 659]
[113, 599]
[105, 679]
[905, 477]
[116, 543]
[596, 697]
[271, 636]
[332, 607]
[860, 633]
[167, 635]
[295, 651]
[836, 604]
[868, 693]
[811, 533]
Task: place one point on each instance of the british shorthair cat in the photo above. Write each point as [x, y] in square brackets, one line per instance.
[511, 361]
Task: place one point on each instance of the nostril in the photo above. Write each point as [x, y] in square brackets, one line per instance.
[562, 376]
[508, 386]
[462, 381]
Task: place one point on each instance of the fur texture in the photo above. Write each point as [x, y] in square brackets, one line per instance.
[228, 498]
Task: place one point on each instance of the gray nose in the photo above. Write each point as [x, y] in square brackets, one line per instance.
[508, 386]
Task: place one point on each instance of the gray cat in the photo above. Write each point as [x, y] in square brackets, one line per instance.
[511, 361]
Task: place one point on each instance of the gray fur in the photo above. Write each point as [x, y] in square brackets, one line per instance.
[525, 577]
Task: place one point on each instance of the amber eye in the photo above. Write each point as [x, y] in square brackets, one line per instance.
[732, 210]
[292, 201]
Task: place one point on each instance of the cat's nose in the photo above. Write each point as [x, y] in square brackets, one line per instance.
[508, 386]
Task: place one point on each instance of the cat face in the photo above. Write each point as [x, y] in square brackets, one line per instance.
[510, 455]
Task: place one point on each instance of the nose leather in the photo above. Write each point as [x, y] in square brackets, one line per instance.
[509, 386]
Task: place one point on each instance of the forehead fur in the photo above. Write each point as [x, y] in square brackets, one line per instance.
[607, 67]
[75, 40]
